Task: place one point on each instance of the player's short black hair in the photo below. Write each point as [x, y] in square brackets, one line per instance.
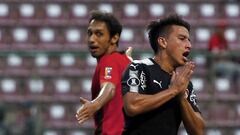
[113, 25]
[162, 27]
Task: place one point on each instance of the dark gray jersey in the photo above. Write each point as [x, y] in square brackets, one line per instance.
[147, 77]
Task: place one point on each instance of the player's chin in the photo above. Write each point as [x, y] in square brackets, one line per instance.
[182, 62]
[95, 55]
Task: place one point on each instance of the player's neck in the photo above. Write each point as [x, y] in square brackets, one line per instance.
[164, 63]
[111, 49]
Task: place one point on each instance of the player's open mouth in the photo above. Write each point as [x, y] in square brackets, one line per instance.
[185, 55]
[93, 48]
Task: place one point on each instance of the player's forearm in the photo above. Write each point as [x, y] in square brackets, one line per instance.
[106, 94]
[192, 120]
[135, 103]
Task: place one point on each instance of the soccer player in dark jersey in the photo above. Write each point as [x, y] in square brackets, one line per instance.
[106, 106]
[157, 92]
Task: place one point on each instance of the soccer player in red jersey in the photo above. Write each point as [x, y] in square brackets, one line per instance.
[106, 106]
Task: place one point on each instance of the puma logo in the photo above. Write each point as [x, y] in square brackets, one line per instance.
[159, 83]
[134, 66]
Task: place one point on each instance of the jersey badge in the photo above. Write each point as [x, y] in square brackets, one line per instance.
[133, 82]
[108, 73]
[193, 97]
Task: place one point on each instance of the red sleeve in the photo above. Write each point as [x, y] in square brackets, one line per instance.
[109, 71]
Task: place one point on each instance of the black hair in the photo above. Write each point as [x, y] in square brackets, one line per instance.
[162, 27]
[113, 25]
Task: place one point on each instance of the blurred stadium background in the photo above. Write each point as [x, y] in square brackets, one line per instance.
[45, 65]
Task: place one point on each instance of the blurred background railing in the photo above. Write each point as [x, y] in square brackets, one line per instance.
[45, 65]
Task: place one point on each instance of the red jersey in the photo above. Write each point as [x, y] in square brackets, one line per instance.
[109, 120]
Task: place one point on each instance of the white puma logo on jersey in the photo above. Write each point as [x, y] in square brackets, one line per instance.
[134, 66]
[159, 83]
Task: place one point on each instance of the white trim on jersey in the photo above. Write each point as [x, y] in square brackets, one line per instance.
[144, 61]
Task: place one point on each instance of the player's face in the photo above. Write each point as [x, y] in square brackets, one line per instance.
[98, 38]
[178, 45]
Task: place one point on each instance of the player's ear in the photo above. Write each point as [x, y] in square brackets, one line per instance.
[115, 39]
[162, 42]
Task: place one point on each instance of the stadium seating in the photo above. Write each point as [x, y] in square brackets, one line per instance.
[52, 132]
[44, 57]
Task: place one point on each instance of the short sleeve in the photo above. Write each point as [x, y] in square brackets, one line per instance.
[133, 79]
[192, 98]
[109, 71]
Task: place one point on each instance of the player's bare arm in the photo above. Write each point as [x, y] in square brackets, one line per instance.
[88, 108]
[192, 120]
[135, 103]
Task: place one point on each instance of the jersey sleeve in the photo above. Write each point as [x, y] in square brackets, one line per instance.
[133, 79]
[109, 71]
[192, 98]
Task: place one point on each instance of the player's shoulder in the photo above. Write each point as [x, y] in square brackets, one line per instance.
[146, 62]
[115, 57]
[107, 58]
[140, 64]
